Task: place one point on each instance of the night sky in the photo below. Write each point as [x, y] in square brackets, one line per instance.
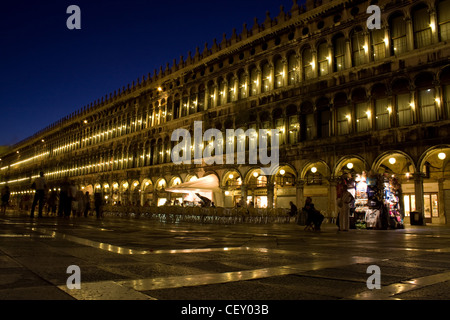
[48, 71]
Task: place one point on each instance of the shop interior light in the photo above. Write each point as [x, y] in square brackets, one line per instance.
[231, 176]
[392, 161]
[350, 165]
[255, 174]
[282, 172]
[227, 193]
[313, 169]
[442, 156]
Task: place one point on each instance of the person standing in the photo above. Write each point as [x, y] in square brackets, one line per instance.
[344, 204]
[40, 184]
[98, 203]
[5, 198]
[87, 204]
[51, 203]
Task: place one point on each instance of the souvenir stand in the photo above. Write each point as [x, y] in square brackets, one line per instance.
[377, 200]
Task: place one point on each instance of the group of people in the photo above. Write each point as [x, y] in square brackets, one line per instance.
[314, 218]
[69, 201]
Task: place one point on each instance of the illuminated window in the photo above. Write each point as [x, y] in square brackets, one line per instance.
[398, 35]
[422, 28]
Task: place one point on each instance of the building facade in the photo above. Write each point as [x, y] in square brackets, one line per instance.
[345, 99]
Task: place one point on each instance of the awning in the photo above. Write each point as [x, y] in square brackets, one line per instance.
[205, 186]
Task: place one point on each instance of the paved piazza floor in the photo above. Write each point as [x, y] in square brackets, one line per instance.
[143, 259]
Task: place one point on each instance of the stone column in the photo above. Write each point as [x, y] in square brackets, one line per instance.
[441, 201]
[270, 194]
[299, 194]
[332, 197]
[348, 54]
[409, 34]
[418, 190]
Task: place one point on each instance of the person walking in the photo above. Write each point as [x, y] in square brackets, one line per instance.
[344, 209]
[40, 184]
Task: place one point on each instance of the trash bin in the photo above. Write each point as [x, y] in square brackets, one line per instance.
[416, 218]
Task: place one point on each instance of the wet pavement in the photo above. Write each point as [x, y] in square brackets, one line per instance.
[143, 259]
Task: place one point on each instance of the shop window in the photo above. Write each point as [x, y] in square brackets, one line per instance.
[427, 105]
[421, 27]
[430, 204]
[404, 109]
[339, 53]
[362, 117]
[398, 35]
[378, 44]
[343, 120]
[444, 19]
[322, 56]
[382, 115]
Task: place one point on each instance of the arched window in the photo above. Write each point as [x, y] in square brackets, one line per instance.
[398, 34]
[400, 88]
[292, 69]
[242, 85]
[358, 48]
[201, 98]
[426, 97]
[279, 73]
[323, 58]
[377, 43]
[193, 102]
[266, 77]
[339, 53]
[253, 84]
[231, 89]
[421, 26]
[362, 108]
[222, 93]
[294, 125]
[383, 107]
[444, 19]
[307, 63]
[343, 114]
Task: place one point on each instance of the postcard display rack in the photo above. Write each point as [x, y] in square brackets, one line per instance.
[377, 201]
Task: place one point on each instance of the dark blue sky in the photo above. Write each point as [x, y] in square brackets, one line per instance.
[48, 71]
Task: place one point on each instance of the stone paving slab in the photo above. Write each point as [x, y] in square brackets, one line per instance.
[140, 259]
